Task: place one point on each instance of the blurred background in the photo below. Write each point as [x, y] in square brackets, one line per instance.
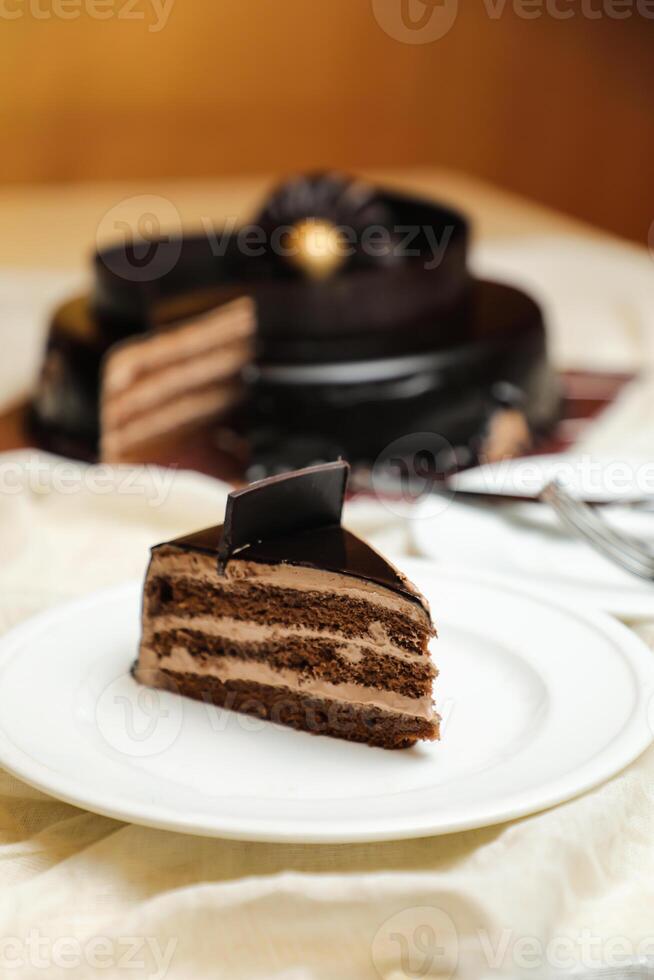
[550, 101]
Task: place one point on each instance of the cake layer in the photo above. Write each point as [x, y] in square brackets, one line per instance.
[195, 557]
[170, 378]
[311, 657]
[240, 631]
[189, 409]
[317, 715]
[153, 388]
[170, 346]
[236, 669]
[254, 602]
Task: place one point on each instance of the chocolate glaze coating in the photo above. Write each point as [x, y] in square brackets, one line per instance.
[65, 409]
[295, 519]
[450, 388]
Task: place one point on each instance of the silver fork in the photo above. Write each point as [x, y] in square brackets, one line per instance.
[623, 549]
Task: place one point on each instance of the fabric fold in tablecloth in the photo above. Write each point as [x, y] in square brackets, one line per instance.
[79, 888]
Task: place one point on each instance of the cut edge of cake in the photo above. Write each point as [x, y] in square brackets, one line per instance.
[173, 378]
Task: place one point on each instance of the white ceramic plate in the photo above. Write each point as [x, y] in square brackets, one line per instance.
[528, 540]
[540, 702]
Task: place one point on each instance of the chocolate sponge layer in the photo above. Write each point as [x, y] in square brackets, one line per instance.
[317, 716]
[251, 602]
[310, 657]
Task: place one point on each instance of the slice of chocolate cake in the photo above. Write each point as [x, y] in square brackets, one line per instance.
[283, 614]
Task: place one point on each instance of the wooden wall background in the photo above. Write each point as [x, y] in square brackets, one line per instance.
[558, 110]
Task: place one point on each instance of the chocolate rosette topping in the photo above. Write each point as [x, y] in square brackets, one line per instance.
[324, 223]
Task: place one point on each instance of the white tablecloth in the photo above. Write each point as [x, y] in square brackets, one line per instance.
[84, 895]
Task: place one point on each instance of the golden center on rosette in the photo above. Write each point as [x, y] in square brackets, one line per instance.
[317, 247]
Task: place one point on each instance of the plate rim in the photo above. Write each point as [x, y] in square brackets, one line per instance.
[632, 742]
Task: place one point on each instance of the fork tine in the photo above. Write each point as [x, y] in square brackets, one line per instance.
[591, 519]
[587, 520]
[635, 565]
[625, 553]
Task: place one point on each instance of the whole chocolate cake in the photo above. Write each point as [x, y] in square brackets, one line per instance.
[341, 319]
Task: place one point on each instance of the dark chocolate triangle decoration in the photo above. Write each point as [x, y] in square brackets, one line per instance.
[282, 505]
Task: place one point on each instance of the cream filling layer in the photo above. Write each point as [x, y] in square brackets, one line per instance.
[244, 631]
[157, 388]
[217, 328]
[234, 669]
